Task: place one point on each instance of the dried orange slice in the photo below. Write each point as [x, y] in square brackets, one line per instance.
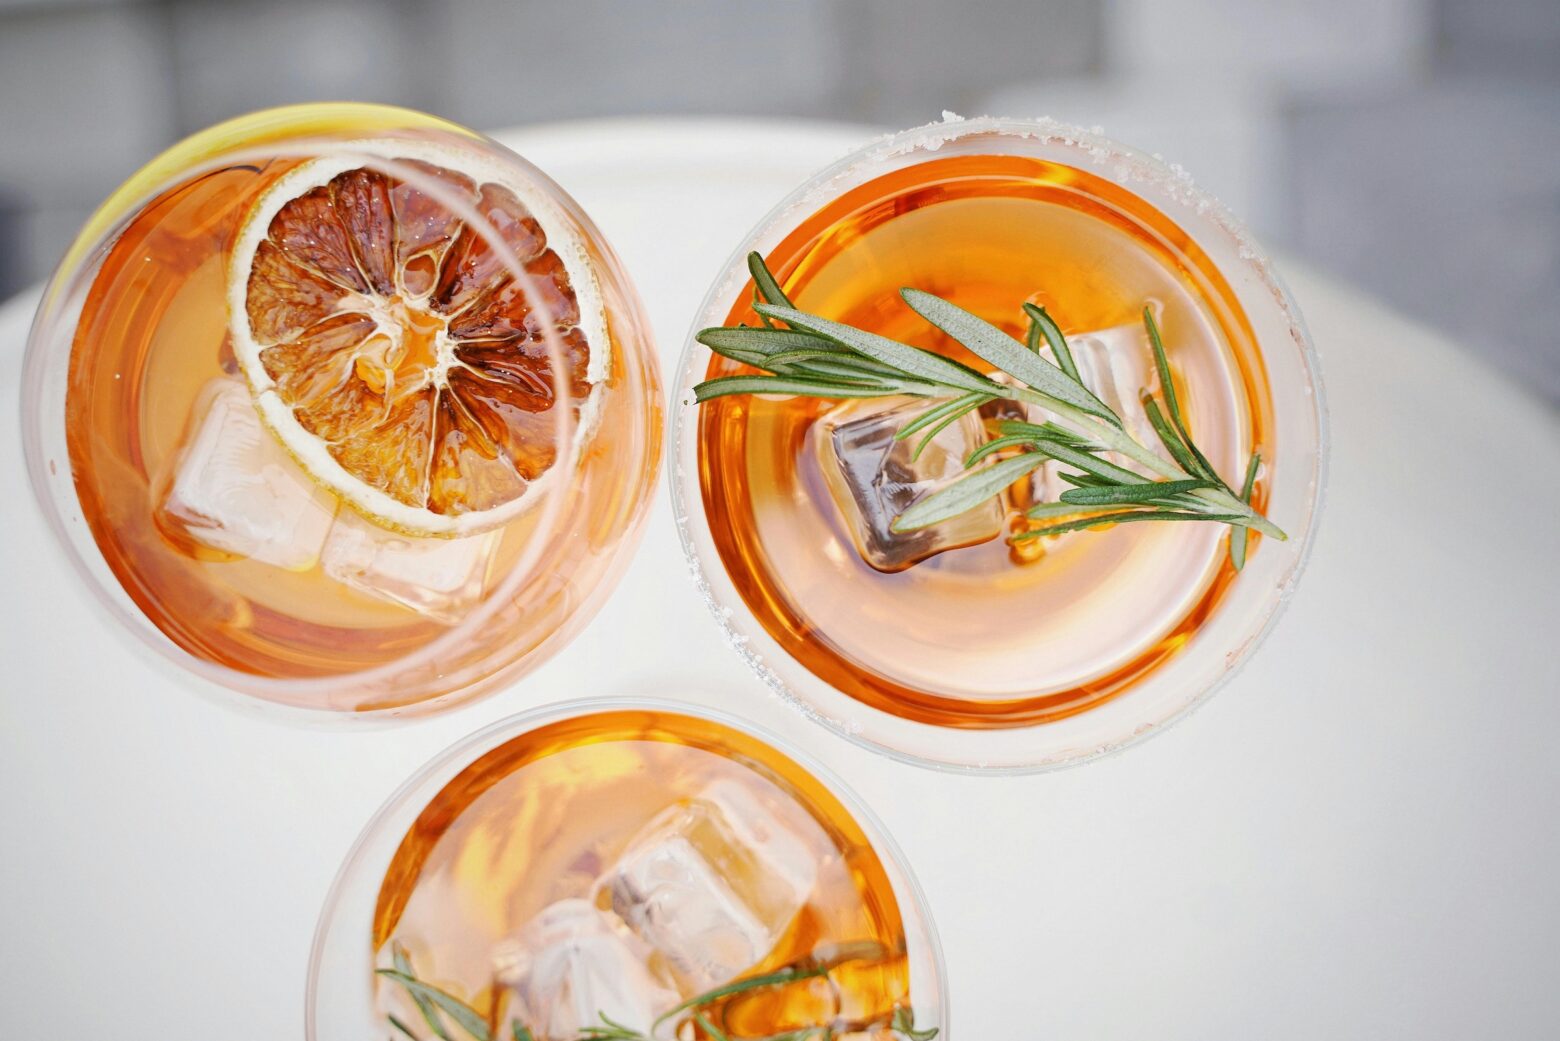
[391, 350]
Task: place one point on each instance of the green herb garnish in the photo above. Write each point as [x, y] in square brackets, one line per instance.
[431, 1001]
[403, 965]
[812, 356]
[469, 1019]
[904, 1023]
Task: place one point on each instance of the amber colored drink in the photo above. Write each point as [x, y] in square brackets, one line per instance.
[603, 825]
[992, 633]
[163, 436]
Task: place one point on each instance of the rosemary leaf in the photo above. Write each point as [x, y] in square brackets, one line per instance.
[758, 298]
[720, 338]
[1240, 535]
[1040, 511]
[937, 412]
[1124, 518]
[1134, 493]
[764, 281]
[904, 1023]
[771, 979]
[998, 348]
[966, 492]
[403, 963]
[611, 1031]
[1255, 521]
[518, 1032]
[954, 416]
[1089, 463]
[844, 361]
[912, 361]
[710, 1028]
[1170, 439]
[755, 359]
[1084, 480]
[812, 388]
[996, 445]
[1046, 326]
[1162, 364]
[1172, 402]
[774, 361]
[852, 368]
[1048, 431]
[402, 1027]
[469, 1019]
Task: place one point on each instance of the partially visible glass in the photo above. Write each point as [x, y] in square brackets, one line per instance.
[629, 854]
[965, 647]
[344, 407]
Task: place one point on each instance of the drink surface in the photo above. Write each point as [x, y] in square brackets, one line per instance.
[627, 860]
[209, 524]
[968, 629]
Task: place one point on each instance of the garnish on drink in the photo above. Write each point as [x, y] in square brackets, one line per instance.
[393, 351]
[992, 423]
[439, 1007]
[321, 382]
[812, 356]
[643, 876]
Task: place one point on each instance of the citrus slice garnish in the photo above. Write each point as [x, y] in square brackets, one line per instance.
[391, 349]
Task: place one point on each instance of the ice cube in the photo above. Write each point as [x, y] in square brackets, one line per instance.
[1116, 364]
[440, 578]
[712, 884]
[572, 964]
[233, 488]
[873, 479]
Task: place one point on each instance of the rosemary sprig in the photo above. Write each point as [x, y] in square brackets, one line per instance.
[468, 1018]
[1238, 535]
[403, 964]
[431, 1000]
[779, 978]
[904, 1023]
[812, 356]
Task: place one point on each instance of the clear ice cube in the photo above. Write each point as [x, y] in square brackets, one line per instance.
[440, 578]
[1117, 365]
[712, 884]
[570, 965]
[873, 479]
[234, 489]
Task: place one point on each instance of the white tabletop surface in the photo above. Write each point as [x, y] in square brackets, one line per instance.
[1357, 838]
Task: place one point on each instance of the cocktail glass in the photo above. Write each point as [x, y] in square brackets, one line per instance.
[210, 536]
[626, 853]
[998, 654]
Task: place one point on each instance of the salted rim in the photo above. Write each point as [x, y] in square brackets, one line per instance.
[309, 449]
[891, 734]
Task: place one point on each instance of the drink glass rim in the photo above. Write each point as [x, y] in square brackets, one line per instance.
[444, 765]
[1002, 751]
[214, 148]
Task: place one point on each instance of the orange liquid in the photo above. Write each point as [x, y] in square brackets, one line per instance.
[997, 634]
[152, 334]
[537, 819]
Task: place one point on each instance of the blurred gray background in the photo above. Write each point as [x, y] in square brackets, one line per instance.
[1411, 147]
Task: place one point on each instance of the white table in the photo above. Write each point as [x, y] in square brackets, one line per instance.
[1358, 838]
